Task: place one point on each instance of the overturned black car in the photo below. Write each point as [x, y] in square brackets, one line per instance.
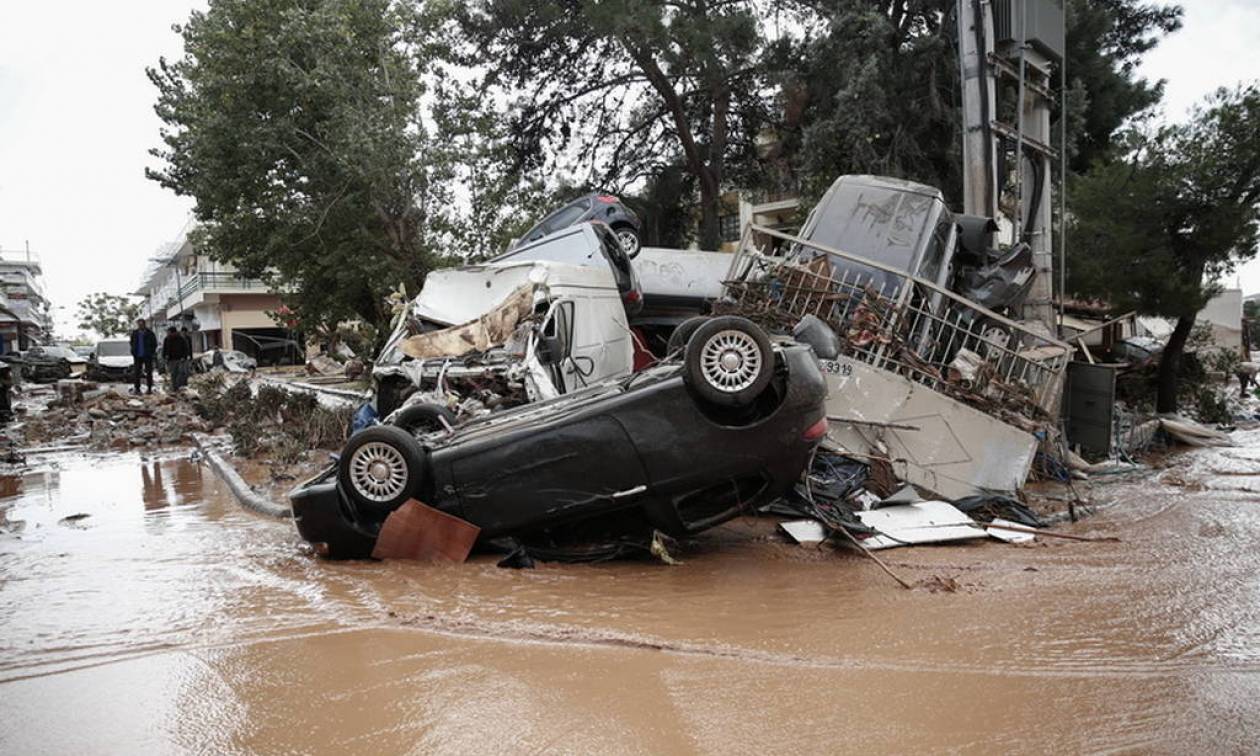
[676, 448]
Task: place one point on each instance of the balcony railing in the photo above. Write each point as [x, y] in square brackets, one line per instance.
[218, 281]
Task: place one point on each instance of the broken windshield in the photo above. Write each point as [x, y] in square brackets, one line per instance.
[885, 223]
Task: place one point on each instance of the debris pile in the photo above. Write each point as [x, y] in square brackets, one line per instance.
[836, 494]
[868, 320]
[108, 418]
[283, 425]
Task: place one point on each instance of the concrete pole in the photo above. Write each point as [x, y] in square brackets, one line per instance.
[975, 42]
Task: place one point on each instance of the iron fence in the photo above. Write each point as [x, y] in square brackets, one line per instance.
[898, 322]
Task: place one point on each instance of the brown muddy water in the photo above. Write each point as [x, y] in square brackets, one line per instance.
[169, 620]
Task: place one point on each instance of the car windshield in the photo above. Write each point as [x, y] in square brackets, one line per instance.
[113, 349]
[58, 352]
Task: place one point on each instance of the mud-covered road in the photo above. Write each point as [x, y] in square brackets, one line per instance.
[168, 619]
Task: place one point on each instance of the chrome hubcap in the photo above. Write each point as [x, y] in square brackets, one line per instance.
[730, 361]
[629, 242]
[378, 471]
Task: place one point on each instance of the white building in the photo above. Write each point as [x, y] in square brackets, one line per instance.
[222, 308]
[25, 313]
[1224, 313]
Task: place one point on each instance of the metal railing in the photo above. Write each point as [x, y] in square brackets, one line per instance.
[217, 281]
[898, 322]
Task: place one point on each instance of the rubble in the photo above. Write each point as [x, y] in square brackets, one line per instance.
[108, 418]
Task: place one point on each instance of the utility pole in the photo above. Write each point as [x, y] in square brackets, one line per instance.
[1007, 52]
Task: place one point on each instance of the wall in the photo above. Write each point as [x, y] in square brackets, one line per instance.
[1224, 313]
[246, 311]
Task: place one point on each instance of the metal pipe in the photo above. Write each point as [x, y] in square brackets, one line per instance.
[1063, 86]
[1019, 124]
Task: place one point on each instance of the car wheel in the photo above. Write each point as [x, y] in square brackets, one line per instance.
[682, 334]
[729, 361]
[380, 468]
[629, 239]
[423, 418]
[995, 338]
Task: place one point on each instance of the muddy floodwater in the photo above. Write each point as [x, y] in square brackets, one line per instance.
[142, 611]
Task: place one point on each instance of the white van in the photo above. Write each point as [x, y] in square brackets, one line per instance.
[482, 337]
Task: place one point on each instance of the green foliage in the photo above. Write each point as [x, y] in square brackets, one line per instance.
[618, 91]
[1210, 406]
[107, 314]
[1105, 41]
[275, 422]
[875, 91]
[873, 88]
[1155, 229]
[296, 127]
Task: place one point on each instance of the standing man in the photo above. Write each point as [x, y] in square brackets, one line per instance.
[175, 352]
[143, 350]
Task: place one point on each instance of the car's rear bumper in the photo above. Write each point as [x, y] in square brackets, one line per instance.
[324, 520]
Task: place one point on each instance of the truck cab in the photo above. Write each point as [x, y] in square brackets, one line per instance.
[480, 337]
[899, 224]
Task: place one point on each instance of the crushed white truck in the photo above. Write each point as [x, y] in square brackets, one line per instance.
[481, 337]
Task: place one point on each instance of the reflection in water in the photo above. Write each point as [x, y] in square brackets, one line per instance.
[10, 485]
[177, 621]
[152, 492]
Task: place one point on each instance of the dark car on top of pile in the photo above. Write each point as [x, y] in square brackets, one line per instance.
[677, 448]
[596, 206]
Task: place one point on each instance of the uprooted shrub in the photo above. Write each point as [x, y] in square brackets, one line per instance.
[272, 421]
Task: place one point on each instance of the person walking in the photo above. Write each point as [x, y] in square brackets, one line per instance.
[143, 350]
[175, 352]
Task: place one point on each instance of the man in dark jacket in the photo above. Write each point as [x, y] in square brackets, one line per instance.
[176, 353]
[143, 350]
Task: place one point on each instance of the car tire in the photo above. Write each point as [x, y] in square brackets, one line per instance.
[423, 418]
[380, 468]
[728, 361]
[629, 239]
[682, 334]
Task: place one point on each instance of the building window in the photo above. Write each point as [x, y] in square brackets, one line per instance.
[728, 227]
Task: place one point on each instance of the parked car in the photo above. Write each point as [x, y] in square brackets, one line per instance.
[588, 244]
[679, 448]
[605, 208]
[40, 364]
[110, 362]
[230, 360]
[78, 363]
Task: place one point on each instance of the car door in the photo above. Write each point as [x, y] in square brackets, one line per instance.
[550, 472]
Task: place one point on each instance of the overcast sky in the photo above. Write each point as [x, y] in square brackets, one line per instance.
[76, 121]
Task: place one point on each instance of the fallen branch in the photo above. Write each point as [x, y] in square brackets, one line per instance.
[851, 421]
[876, 559]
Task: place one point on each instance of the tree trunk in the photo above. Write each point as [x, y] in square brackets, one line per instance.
[710, 201]
[1170, 364]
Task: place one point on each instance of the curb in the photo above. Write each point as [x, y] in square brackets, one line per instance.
[336, 393]
[248, 497]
